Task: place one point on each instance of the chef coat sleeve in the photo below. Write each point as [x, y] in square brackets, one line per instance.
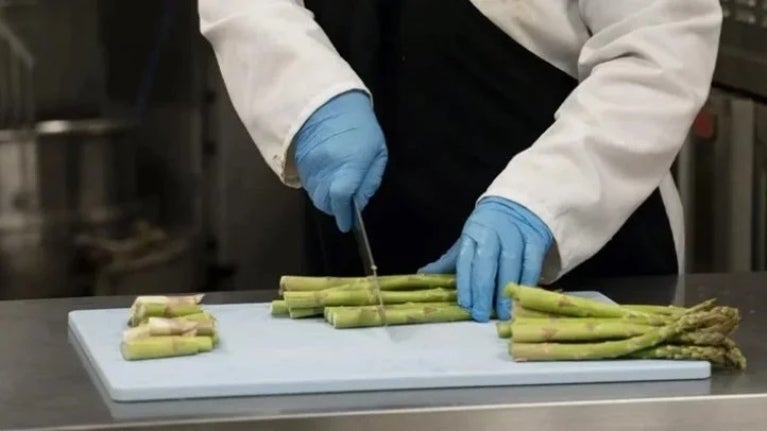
[278, 66]
[644, 74]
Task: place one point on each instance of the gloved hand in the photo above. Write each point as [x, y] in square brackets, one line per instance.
[501, 242]
[340, 155]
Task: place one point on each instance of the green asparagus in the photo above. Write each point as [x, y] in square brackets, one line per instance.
[290, 283]
[330, 297]
[723, 357]
[356, 317]
[607, 349]
[551, 302]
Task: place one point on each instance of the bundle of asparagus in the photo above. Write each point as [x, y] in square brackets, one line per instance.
[551, 326]
[166, 326]
[350, 302]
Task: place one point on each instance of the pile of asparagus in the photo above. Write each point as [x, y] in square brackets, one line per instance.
[167, 326]
[551, 326]
[350, 302]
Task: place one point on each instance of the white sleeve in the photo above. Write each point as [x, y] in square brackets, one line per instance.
[644, 74]
[278, 67]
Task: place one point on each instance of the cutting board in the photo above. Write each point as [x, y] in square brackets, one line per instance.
[262, 355]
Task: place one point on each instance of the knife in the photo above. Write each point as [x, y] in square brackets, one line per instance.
[366, 254]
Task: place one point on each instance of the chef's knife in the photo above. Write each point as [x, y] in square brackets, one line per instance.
[366, 254]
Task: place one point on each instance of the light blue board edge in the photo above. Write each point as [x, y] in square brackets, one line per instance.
[263, 355]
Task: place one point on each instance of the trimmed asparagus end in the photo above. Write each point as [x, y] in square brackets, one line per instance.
[164, 347]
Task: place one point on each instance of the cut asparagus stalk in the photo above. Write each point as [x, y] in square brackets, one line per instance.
[356, 317]
[145, 311]
[607, 349]
[136, 332]
[180, 326]
[279, 308]
[300, 313]
[503, 329]
[164, 346]
[329, 312]
[537, 299]
[331, 297]
[156, 302]
[290, 283]
[203, 316]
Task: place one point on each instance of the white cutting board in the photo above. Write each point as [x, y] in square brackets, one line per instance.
[263, 355]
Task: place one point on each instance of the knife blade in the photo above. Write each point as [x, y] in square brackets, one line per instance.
[366, 254]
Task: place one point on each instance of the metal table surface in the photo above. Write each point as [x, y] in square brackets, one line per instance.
[44, 384]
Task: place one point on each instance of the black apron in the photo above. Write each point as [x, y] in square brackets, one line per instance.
[457, 98]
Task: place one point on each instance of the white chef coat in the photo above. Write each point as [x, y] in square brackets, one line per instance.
[644, 69]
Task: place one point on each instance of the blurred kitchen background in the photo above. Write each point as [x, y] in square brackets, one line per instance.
[124, 169]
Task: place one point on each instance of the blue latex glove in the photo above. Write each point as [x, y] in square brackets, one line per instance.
[501, 242]
[340, 155]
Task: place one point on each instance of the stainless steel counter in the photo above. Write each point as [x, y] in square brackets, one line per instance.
[44, 384]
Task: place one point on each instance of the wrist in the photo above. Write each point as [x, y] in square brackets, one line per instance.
[350, 103]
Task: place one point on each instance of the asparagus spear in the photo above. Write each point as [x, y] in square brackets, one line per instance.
[551, 302]
[736, 358]
[574, 330]
[164, 346]
[666, 310]
[718, 356]
[608, 349]
[703, 306]
[518, 311]
[332, 297]
[291, 283]
[329, 312]
[703, 338]
[534, 330]
[655, 320]
[355, 317]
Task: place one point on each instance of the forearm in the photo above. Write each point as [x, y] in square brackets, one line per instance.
[645, 74]
[278, 67]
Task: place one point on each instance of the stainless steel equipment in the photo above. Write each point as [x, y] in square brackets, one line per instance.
[742, 62]
[44, 385]
[65, 178]
[722, 177]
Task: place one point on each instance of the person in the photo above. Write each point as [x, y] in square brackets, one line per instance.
[503, 141]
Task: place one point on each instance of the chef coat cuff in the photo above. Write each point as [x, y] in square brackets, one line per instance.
[555, 264]
[282, 161]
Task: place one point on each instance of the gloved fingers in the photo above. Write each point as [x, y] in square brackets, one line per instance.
[372, 179]
[509, 269]
[484, 270]
[445, 264]
[532, 260]
[463, 271]
[340, 194]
